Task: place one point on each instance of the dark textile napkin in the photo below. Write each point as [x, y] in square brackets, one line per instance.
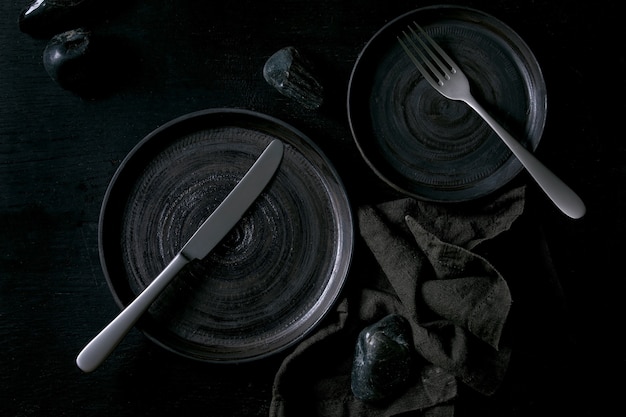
[426, 269]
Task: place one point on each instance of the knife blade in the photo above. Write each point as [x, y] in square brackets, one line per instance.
[208, 235]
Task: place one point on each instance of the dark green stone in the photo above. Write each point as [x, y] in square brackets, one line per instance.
[293, 75]
[383, 361]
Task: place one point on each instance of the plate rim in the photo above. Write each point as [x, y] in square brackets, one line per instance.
[347, 234]
[528, 57]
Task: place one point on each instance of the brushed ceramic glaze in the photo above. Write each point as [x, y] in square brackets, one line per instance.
[271, 279]
[426, 145]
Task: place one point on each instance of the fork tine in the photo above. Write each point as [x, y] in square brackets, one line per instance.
[435, 72]
[433, 62]
[451, 65]
[425, 73]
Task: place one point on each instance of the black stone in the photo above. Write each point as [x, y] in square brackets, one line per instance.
[383, 361]
[293, 75]
[88, 65]
[68, 58]
[45, 18]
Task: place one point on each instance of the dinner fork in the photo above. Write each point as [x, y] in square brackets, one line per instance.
[447, 78]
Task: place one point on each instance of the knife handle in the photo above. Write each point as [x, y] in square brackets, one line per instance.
[107, 340]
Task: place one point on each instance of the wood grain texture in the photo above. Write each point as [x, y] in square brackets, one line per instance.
[58, 152]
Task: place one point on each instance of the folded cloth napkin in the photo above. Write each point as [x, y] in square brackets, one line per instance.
[456, 302]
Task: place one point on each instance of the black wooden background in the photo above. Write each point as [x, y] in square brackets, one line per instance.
[58, 152]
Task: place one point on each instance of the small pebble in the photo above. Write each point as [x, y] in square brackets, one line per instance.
[68, 58]
[383, 360]
[292, 75]
[44, 18]
[88, 65]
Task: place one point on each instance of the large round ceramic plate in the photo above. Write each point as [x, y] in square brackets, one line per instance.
[426, 145]
[273, 277]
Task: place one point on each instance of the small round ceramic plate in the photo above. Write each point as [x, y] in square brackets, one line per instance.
[426, 145]
[273, 277]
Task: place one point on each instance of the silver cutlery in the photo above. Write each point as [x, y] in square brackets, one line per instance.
[208, 235]
[447, 78]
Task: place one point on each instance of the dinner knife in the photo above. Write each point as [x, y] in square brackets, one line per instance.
[210, 233]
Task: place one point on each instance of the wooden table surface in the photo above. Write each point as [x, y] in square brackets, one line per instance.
[58, 152]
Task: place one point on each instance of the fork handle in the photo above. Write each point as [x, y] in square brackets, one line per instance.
[560, 194]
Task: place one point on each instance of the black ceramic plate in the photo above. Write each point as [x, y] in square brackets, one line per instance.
[426, 145]
[271, 279]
